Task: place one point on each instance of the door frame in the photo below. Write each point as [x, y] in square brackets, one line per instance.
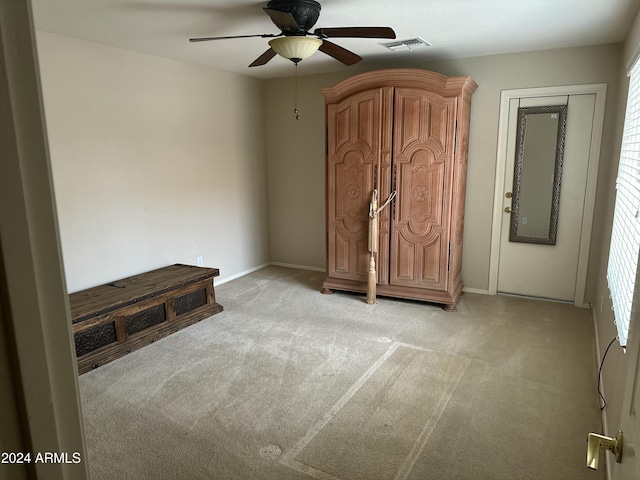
[37, 351]
[600, 92]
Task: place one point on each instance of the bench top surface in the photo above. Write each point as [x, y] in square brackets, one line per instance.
[111, 296]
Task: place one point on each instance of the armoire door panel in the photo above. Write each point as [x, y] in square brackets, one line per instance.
[426, 271]
[361, 258]
[353, 136]
[341, 254]
[432, 258]
[368, 125]
[340, 127]
[349, 260]
[421, 165]
[353, 180]
[356, 123]
[409, 131]
[412, 273]
[349, 223]
[405, 268]
[421, 186]
[433, 114]
[419, 264]
[440, 128]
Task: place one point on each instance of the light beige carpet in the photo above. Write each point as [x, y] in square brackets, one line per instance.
[379, 429]
[287, 383]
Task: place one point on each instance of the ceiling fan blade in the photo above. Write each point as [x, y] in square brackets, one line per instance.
[264, 58]
[355, 32]
[283, 20]
[341, 54]
[206, 39]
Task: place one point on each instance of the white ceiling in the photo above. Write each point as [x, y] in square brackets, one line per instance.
[455, 28]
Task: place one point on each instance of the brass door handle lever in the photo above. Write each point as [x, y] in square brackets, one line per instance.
[595, 442]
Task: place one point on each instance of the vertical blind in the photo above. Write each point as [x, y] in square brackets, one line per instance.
[625, 235]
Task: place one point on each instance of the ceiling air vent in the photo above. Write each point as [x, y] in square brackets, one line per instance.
[410, 44]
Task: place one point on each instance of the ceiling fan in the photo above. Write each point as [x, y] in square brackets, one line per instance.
[295, 18]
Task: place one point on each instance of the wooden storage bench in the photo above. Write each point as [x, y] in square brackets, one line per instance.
[112, 320]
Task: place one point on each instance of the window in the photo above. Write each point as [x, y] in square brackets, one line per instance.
[625, 235]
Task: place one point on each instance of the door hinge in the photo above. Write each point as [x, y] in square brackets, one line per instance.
[449, 259]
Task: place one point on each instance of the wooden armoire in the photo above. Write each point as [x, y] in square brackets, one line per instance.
[402, 130]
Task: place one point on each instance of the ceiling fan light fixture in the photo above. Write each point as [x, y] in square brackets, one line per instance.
[295, 48]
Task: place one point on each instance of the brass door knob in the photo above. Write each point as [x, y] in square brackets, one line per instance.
[507, 209]
[596, 442]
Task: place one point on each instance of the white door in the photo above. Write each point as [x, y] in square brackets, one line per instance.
[629, 468]
[539, 270]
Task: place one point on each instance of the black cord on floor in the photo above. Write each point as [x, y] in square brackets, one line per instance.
[604, 402]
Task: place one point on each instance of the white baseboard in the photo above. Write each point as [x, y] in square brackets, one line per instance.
[265, 265]
[242, 274]
[476, 290]
[301, 267]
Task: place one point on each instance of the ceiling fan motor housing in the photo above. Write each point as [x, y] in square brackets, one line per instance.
[295, 19]
[305, 13]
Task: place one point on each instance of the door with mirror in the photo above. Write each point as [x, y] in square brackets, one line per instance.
[548, 150]
[537, 174]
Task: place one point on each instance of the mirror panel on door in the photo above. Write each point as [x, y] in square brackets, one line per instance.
[537, 174]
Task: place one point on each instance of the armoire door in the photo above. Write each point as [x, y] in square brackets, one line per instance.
[423, 144]
[358, 160]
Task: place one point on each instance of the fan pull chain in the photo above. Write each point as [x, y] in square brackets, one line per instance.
[295, 90]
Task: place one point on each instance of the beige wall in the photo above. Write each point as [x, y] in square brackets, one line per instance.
[155, 162]
[295, 149]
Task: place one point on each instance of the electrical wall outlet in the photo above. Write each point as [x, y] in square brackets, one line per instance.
[199, 261]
